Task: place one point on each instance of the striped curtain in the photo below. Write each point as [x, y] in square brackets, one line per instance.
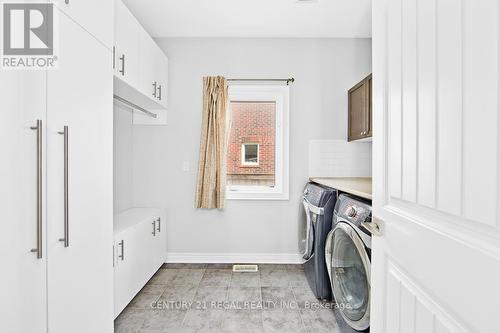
[211, 185]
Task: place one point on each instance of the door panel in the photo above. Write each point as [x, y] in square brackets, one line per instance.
[426, 65]
[126, 30]
[357, 114]
[125, 268]
[23, 277]
[80, 277]
[449, 108]
[93, 15]
[436, 166]
[149, 65]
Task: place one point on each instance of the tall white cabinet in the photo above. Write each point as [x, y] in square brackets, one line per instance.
[56, 194]
[79, 97]
[23, 277]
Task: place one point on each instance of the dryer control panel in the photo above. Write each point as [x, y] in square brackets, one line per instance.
[352, 210]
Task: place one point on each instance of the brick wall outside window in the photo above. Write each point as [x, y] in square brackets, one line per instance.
[252, 122]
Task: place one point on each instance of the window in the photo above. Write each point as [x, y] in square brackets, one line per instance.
[257, 156]
[250, 154]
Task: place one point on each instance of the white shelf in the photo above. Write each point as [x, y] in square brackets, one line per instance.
[133, 216]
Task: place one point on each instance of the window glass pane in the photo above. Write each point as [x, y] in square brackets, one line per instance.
[251, 152]
[251, 146]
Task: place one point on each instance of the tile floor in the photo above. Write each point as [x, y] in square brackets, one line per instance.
[212, 298]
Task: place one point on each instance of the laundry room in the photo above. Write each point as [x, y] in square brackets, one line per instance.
[287, 124]
[250, 166]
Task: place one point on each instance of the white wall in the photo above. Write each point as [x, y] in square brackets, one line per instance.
[324, 70]
[122, 158]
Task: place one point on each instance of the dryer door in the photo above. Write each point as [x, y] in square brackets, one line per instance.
[306, 230]
[349, 269]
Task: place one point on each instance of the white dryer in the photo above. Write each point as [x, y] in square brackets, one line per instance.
[348, 259]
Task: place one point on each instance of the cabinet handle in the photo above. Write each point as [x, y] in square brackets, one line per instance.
[154, 89]
[122, 59]
[154, 228]
[39, 192]
[159, 92]
[159, 225]
[122, 255]
[114, 55]
[66, 189]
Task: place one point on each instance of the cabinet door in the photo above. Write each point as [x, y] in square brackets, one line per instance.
[149, 65]
[148, 236]
[357, 112]
[368, 108]
[93, 15]
[163, 73]
[23, 278]
[127, 247]
[126, 45]
[160, 242]
[80, 276]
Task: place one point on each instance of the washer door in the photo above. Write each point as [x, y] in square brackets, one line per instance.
[306, 237]
[349, 269]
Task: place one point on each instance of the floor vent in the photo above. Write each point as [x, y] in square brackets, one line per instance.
[245, 268]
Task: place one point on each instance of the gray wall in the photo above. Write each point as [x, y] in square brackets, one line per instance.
[324, 69]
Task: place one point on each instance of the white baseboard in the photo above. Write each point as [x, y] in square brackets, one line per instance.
[235, 258]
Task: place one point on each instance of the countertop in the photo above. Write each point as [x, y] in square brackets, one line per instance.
[361, 187]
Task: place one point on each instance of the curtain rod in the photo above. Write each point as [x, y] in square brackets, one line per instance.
[135, 106]
[288, 81]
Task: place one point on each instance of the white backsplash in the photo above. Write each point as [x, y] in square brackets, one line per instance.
[339, 158]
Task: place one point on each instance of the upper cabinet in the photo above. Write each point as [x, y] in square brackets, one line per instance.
[360, 110]
[153, 68]
[92, 15]
[126, 46]
[140, 68]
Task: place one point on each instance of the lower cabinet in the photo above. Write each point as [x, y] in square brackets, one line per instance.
[139, 250]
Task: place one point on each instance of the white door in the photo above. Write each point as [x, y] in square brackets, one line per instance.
[163, 72]
[161, 242]
[93, 15]
[128, 247]
[126, 30]
[149, 65]
[23, 275]
[436, 266]
[80, 276]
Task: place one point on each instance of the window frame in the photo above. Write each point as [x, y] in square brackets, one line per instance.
[244, 163]
[280, 96]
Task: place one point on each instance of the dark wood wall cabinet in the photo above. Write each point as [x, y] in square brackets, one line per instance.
[360, 110]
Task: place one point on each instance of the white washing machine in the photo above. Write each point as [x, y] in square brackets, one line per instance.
[348, 259]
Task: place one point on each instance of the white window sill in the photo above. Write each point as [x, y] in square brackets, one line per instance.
[236, 195]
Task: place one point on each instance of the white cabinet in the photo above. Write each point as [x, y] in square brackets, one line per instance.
[126, 46]
[23, 277]
[93, 15]
[140, 249]
[149, 79]
[163, 96]
[79, 101]
[140, 67]
[153, 68]
[71, 292]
